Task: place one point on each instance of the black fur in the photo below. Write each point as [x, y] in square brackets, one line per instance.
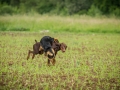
[46, 42]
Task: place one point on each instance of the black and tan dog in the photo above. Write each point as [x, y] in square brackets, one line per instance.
[46, 44]
[51, 45]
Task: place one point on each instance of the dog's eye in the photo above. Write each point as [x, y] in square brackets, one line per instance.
[66, 47]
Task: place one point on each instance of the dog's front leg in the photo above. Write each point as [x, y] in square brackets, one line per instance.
[54, 61]
[48, 62]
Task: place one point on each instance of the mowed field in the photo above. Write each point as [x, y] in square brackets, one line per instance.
[91, 62]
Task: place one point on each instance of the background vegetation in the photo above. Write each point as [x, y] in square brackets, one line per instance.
[61, 7]
[58, 24]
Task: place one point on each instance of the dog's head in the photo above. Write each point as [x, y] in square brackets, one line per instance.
[63, 47]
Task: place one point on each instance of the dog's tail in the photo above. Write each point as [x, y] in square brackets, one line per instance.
[36, 41]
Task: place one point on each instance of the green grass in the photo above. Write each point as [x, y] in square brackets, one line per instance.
[91, 62]
[74, 24]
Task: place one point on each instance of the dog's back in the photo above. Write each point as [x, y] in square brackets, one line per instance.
[46, 42]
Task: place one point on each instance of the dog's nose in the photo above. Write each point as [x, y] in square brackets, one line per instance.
[63, 51]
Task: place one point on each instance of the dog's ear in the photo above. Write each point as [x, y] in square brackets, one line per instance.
[56, 40]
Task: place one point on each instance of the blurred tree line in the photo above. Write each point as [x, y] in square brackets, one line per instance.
[61, 7]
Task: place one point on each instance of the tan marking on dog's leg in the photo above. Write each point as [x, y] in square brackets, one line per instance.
[53, 51]
[51, 61]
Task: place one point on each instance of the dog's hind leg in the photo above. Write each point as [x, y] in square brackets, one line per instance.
[33, 55]
[29, 54]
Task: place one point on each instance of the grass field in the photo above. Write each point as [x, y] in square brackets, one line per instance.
[91, 62]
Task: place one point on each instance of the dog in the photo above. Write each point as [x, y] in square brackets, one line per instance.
[46, 44]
